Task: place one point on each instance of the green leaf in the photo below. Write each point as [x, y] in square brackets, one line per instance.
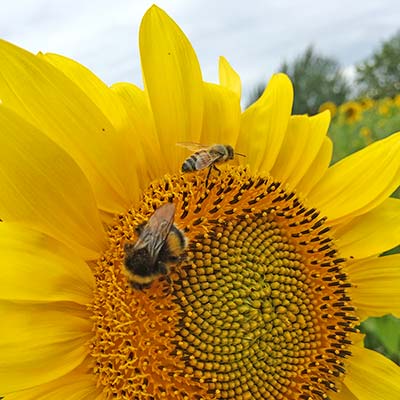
[383, 335]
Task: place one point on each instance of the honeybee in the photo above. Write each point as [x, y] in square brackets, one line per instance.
[207, 156]
[160, 244]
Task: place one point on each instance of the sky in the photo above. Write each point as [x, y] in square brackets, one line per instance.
[254, 35]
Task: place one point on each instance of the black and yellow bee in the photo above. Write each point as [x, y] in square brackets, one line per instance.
[207, 156]
[160, 244]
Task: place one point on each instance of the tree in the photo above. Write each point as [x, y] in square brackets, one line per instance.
[379, 75]
[316, 79]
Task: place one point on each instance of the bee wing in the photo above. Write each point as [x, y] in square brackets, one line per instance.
[205, 159]
[156, 230]
[205, 155]
[193, 146]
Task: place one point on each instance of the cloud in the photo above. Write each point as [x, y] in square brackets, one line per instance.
[255, 36]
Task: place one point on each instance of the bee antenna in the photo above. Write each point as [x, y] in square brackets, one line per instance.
[240, 154]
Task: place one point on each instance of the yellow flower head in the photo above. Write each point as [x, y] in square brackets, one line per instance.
[330, 106]
[366, 103]
[351, 111]
[278, 261]
[384, 108]
[366, 133]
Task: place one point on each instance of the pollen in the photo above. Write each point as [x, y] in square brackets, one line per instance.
[258, 307]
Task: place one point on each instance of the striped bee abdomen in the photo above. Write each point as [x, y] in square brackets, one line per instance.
[190, 163]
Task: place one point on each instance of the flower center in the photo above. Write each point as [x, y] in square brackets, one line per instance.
[257, 308]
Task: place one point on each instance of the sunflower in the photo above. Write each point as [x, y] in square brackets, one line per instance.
[366, 103]
[351, 111]
[282, 260]
[385, 106]
[328, 105]
[366, 133]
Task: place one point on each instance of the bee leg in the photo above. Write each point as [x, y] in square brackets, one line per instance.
[208, 175]
[215, 167]
[170, 286]
[165, 271]
[168, 290]
[209, 172]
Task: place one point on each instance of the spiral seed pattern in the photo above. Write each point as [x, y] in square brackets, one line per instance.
[257, 309]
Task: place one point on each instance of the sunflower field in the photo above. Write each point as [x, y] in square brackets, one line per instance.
[356, 124]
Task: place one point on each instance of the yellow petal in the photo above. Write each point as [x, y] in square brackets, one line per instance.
[104, 98]
[303, 141]
[295, 139]
[127, 121]
[372, 233]
[229, 78]
[36, 267]
[42, 187]
[371, 376]
[360, 182]
[221, 118]
[317, 168]
[76, 387]
[264, 124]
[45, 97]
[343, 394]
[313, 142]
[39, 343]
[79, 384]
[376, 286]
[173, 82]
[146, 155]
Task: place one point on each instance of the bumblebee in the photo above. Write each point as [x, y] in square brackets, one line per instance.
[160, 244]
[207, 156]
